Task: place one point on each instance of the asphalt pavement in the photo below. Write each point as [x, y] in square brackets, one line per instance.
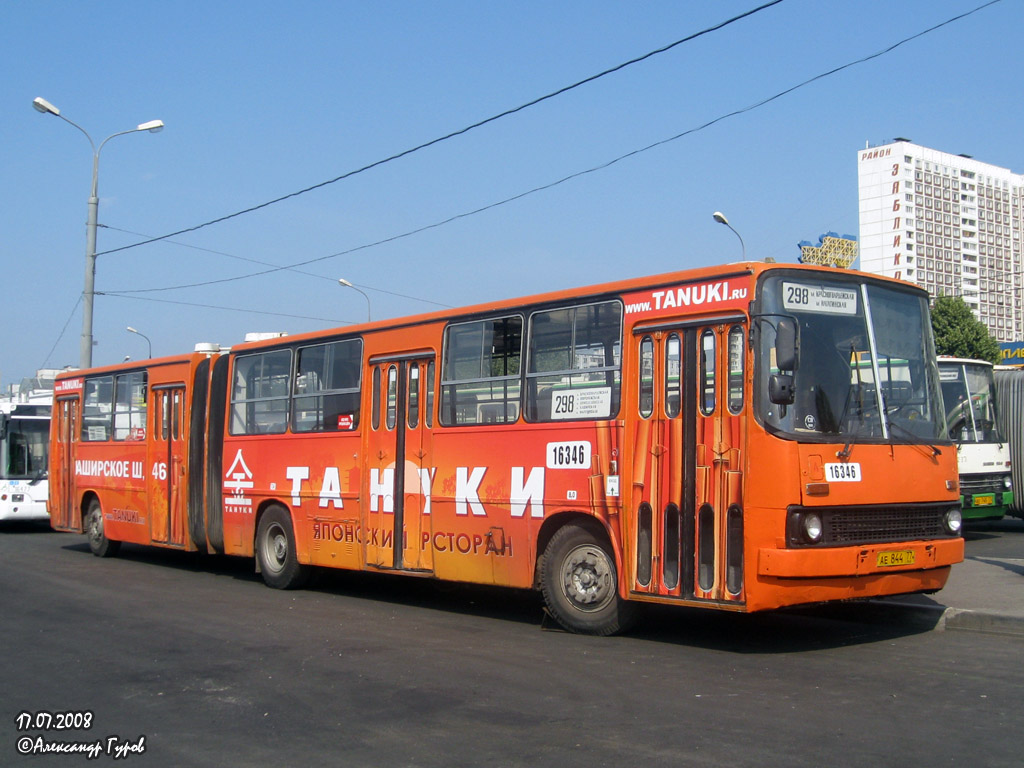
[985, 593]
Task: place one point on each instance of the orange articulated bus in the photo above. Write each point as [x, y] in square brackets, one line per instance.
[705, 438]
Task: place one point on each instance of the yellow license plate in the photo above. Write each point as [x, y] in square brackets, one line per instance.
[988, 500]
[897, 557]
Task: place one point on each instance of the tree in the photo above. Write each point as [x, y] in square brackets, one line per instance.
[959, 333]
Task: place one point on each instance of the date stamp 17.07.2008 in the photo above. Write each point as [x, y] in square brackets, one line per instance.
[45, 727]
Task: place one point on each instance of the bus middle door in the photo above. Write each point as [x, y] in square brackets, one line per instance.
[399, 462]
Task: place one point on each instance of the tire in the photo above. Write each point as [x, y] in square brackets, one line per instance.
[99, 544]
[275, 551]
[580, 584]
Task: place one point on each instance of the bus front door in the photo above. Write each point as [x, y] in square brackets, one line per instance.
[64, 512]
[167, 467]
[397, 518]
[686, 501]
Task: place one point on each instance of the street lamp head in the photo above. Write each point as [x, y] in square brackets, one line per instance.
[346, 284]
[720, 218]
[153, 126]
[42, 105]
[149, 344]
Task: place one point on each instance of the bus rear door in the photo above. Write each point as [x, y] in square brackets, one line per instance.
[686, 476]
[167, 466]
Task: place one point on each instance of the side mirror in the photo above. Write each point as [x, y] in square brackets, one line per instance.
[785, 344]
[780, 389]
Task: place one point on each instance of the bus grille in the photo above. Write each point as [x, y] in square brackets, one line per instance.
[972, 484]
[846, 526]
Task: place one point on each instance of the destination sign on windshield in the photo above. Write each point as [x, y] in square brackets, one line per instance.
[797, 297]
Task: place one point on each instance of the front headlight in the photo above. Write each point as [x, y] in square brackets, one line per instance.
[953, 521]
[811, 524]
[1007, 482]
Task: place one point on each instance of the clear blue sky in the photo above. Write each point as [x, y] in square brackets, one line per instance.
[262, 99]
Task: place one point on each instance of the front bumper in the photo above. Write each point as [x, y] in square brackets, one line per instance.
[831, 562]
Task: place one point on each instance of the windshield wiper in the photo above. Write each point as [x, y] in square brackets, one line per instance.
[848, 448]
[38, 478]
[893, 426]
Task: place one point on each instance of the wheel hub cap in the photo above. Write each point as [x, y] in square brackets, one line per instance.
[587, 578]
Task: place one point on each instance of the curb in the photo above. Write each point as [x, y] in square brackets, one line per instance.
[965, 620]
[940, 618]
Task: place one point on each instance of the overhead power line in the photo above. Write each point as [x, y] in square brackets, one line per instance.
[276, 267]
[188, 304]
[577, 174]
[229, 309]
[453, 134]
[62, 332]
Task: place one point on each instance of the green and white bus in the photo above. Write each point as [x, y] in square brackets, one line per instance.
[983, 453]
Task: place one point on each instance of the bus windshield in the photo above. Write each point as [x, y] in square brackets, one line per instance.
[968, 394]
[23, 447]
[864, 363]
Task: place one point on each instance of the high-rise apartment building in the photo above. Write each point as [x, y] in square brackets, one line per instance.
[949, 223]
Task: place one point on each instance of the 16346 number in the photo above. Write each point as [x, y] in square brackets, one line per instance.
[846, 472]
[573, 454]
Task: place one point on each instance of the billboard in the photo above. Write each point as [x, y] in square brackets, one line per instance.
[831, 251]
[1012, 353]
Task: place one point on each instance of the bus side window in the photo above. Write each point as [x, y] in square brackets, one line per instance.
[375, 407]
[707, 366]
[673, 376]
[162, 427]
[130, 406]
[97, 408]
[412, 419]
[176, 415]
[259, 396]
[646, 377]
[480, 372]
[736, 357]
[574, 363]
[327, 387]
[428, 385]
[392, 412]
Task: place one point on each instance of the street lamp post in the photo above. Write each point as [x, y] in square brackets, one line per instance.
[148, 343]
[720, 218]
[88, 293]
[342, 281]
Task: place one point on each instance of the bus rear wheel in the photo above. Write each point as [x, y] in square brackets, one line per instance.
[275, 551]
[99, 544]
[580, 584]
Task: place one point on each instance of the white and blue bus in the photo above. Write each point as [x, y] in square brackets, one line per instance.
[24, 451]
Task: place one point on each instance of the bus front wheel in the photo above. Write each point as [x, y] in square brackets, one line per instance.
[275, 551]
[99, 544]
[580, 584]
